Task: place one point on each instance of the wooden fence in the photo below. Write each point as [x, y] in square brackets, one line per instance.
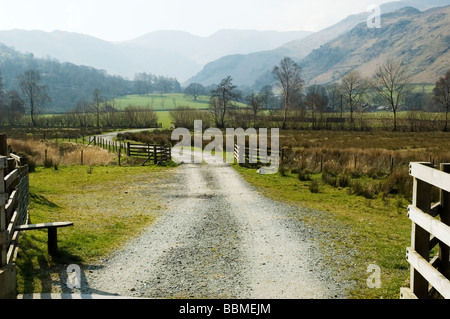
[152, 153]
[14, 200]
[252, 155]
[110, 146]
[428, 255]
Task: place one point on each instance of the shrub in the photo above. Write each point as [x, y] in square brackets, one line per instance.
[399, 182]
[344, 179]
[367, 190]
[314, 187]
[48, 162]
[329, 179]
[304, 175]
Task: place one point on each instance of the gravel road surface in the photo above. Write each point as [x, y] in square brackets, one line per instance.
[219, 238]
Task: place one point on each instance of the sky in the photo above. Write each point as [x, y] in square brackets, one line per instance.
[119, 20]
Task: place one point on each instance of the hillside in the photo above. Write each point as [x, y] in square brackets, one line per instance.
[419, 39]
[170, 53]
[254, 69]
[67, 83]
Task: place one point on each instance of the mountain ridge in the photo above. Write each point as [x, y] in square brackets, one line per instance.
[250, 72]
[421, 40]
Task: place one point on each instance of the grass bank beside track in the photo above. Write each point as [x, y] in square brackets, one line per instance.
[109, 205]
[360, 231]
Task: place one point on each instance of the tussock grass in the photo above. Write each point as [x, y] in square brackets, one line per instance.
[50, 153]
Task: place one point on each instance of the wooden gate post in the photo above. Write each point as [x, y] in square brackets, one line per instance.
[8, 284]
[3, 146]
[420, 238]
[444, 255]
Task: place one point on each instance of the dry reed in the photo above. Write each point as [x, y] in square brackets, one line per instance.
[49, 153]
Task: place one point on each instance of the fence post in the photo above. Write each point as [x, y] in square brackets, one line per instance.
[420, 238]
[128, 149]
[81, 157]
[444, 254]
[3, 200]
[8, 283]
[155, 156]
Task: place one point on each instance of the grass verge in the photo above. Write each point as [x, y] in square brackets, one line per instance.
[109, 205]
[358, 232]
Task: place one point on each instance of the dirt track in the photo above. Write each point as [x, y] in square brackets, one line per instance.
[219, 239]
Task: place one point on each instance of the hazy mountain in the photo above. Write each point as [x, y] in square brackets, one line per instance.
[67, 83]
[246, 69]
[420, 39]
[170, 53]
[206, 49]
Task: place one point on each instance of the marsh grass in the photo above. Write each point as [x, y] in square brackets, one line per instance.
[51, 153]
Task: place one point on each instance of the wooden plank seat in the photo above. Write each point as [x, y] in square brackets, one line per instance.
[52, 232]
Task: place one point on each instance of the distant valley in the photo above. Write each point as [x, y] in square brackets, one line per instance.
[169, 53]
[73, 65]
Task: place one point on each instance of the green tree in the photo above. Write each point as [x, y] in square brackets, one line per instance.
[194, 90]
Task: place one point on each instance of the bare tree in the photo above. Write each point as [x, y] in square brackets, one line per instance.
[255, 102]
[316, 100]
[334, 96]
[288, 74]
[222, 98]
[392, 84]
[79, 113]
[14, 105]
[97, 105]
[353, 88]
[35, 93]
[442, 95]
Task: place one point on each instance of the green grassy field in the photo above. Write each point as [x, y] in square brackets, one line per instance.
[162, 101]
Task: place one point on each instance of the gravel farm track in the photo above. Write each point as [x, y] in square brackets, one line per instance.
[219, 238]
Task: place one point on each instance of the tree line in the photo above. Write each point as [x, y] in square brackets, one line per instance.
[390, 87]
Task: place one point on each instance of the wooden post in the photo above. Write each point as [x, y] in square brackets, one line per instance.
[3, 199]
[392, 165]
[155, 158]
[128, 149]
[444, 254]
[420, 238]
[120, 151]
[321, 163]
[52, 241]
[81, 157]
[3, 146]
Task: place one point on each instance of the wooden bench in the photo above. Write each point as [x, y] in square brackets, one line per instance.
[52, 233]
